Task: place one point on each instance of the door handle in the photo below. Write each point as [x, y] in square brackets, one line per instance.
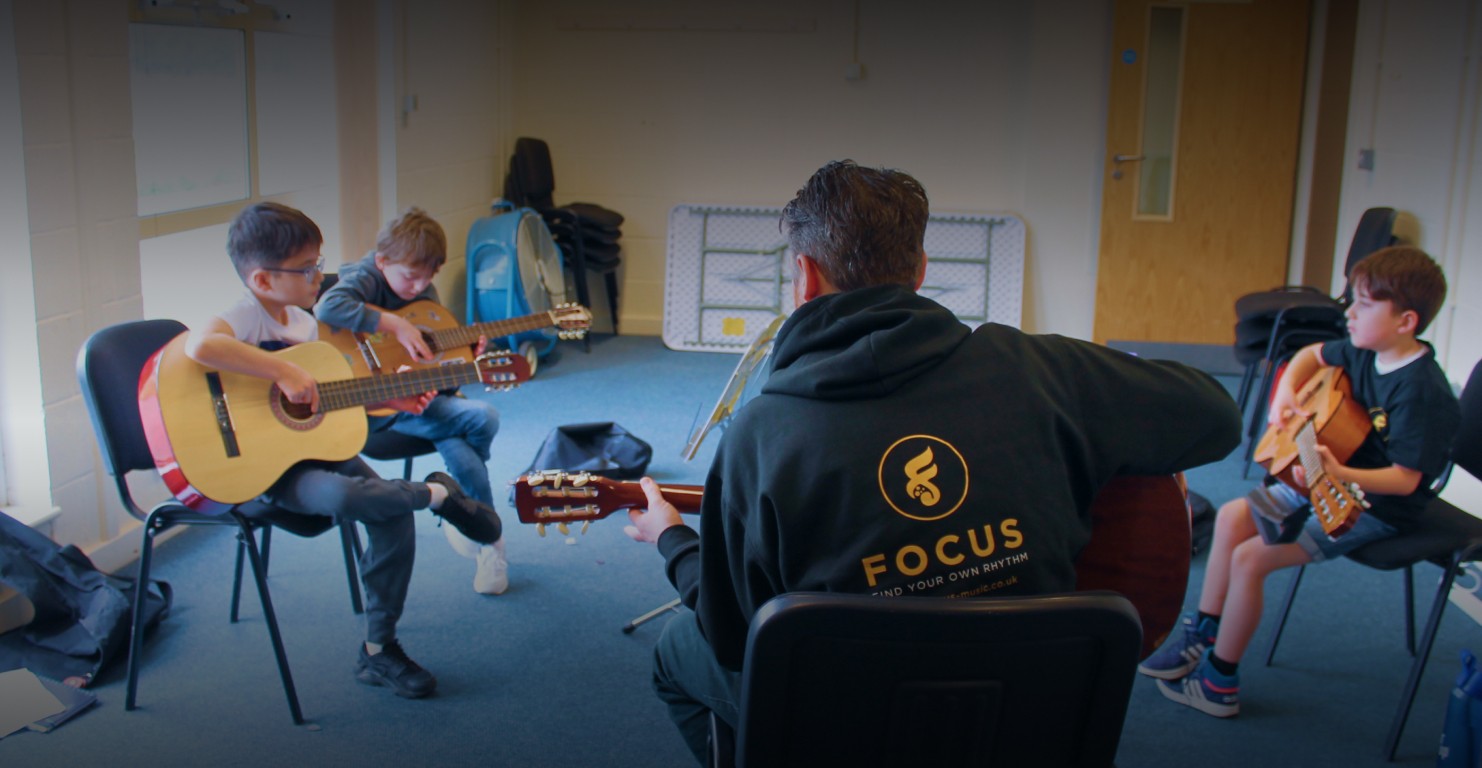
[1117, 160]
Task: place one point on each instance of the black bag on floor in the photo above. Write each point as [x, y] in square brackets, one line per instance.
[82, 614]
[602, 448]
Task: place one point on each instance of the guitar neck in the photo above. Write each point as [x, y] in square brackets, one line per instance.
[468, 335]
[1307, 454]
[629, 495]
[350, 393]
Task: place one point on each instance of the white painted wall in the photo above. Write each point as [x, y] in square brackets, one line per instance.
[993, 106]
[1417, 88]
[23, 470]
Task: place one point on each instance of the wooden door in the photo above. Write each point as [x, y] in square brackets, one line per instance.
[1200, 170]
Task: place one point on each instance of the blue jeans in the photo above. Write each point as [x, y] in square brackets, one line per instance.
[462, 428]
[689, 679]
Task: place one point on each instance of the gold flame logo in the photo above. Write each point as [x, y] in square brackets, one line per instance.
[919, 473]
[923, 477]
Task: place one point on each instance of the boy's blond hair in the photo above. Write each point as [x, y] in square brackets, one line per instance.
[414, 239]
[1406, 277]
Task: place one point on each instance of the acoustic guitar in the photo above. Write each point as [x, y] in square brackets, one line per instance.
[1339, 423]
[450, 342]
[220, 438]
[1139, 547]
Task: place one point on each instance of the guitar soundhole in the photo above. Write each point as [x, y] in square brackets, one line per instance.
[292, 415]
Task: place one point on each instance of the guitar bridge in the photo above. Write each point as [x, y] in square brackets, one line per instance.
[223, 414]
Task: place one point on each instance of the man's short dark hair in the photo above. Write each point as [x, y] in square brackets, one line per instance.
[268, 234]
[1406, 277]
[863, 226]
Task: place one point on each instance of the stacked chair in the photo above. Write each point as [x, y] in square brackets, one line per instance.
[1273, 325]
[586, 233]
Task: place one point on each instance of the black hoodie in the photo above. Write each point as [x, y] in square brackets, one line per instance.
[894, 452]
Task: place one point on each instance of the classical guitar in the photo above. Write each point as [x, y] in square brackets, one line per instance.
[370, 353]
[1339, 423]
[221, 438]
[1139, 539]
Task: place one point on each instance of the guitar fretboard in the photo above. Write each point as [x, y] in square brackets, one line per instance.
[1306, 441]
[468, 335]
[349, 393]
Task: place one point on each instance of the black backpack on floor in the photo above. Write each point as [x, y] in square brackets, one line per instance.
[82, 614]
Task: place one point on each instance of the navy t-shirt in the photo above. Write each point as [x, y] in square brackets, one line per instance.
[1414, 414]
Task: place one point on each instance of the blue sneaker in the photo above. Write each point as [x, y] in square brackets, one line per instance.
[1183, 650]
[1206, 690]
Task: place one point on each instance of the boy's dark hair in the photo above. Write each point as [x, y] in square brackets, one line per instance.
[268, 234]
[414, 239]
[1404, 276]
[864, 226]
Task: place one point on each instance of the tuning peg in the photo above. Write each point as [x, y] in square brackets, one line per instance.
[540, 529]
[563, 529]
[584, 526]
[580, 479]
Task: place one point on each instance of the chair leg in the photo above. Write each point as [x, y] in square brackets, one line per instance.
[237, 580]
[350, 543]
[612, 298]
[136, 634]
[259, 574]
[1410, 610]
[1286, 608]
[722, 744]
[406, 468]
[1417, 669]
[267, 543]
[1243, 398]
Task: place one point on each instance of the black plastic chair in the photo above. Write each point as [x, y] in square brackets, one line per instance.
[108, 367]
[586, 233]
[1444, 535]
[834, 679]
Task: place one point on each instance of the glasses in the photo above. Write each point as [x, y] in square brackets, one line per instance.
[307, 272]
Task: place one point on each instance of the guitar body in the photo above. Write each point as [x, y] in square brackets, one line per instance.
[1342, 423]
[194, 453]
[1140, 538]
[1140, 547]
[363, 352]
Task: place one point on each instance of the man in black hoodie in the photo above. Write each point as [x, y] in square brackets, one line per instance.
[894, 452]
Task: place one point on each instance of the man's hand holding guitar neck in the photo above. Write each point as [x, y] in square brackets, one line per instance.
[649, 524]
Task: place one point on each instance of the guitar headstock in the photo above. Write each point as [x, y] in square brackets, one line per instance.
[553, 496]
[571, 320]
[1337, 505]
[502, 369]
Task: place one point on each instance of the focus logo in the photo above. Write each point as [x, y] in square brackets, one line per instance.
[923, 477]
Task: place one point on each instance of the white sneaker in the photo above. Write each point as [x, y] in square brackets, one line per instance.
[492, 576]
[460, 543]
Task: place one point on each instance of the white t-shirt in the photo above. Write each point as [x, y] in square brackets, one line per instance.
[252, 324]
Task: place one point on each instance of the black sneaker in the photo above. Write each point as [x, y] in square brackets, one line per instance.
[393, 669]
[472, 518]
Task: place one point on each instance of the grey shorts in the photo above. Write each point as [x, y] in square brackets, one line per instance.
[1312, 539]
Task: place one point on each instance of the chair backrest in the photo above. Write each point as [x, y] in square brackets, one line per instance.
[1466, 450]
[108, 368]
[531, 180]
[833, 679]
[1375, 230]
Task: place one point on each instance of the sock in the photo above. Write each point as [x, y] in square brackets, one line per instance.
[371, 648]
[1213, 618]
[439, 495]
[1226, 668]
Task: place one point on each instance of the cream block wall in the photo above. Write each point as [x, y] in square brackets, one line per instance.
[448, 160]
[993, 106]
[72, 60]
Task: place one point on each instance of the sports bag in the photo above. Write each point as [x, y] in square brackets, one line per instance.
[82, 614]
